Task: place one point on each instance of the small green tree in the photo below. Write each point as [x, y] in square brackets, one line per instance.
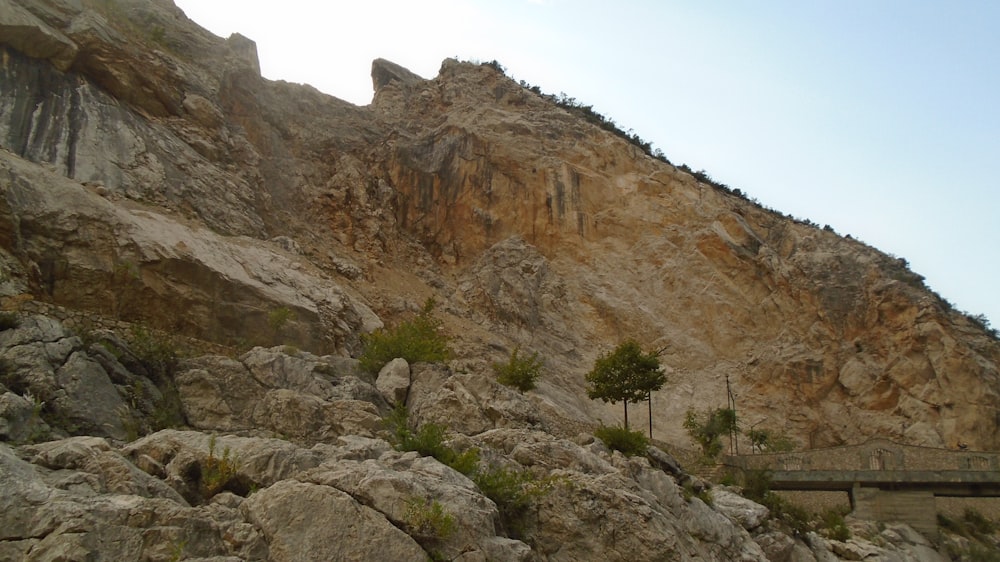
[519, 371]
[278, 318]
[770, 441]
[707, 428]
[416, 340]
[626, 374]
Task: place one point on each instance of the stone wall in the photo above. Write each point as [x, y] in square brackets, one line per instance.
[906, 507]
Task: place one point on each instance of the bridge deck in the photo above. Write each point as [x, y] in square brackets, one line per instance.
[956, 483]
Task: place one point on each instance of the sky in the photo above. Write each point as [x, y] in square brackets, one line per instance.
[880, 118]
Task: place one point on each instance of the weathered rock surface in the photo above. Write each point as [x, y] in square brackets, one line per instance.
[534, 226]
[307, 522]
[301, 397]
[148, 173]
[394, 381]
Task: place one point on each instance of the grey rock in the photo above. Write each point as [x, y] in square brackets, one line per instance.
[304, 521]
[402, 486]
[20, 29]
[19, 419]
[394, 381]
[746, 513]
[384, 72]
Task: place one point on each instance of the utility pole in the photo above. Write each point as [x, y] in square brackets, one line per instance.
[734, 437]
[650, 398]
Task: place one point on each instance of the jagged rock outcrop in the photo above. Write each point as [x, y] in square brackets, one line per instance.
[558, 235]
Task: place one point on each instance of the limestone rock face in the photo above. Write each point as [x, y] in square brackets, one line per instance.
[152, 182]
[301, 397]
[539, 229]
[305, 522]
[49, 367]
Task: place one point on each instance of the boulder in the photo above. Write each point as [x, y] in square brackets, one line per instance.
[302, 397]
[394, 381]
[72, 514]
[20, 29]
[404, 487]
[20, 420]
[305, 521]
[746, 513]
[72, 390]
[467, 403]
[384, 71]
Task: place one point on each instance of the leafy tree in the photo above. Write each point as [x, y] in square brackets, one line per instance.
[519, 371]
[769, 441]
[416, 340]
[625, 375]
[707, 428]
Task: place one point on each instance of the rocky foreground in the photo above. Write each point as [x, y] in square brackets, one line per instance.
[282, 455]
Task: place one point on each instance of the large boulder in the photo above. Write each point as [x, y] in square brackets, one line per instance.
[47, 362]
[746, 513]
[304, 521]
[20, 29]
[299, 396]
[406, 487]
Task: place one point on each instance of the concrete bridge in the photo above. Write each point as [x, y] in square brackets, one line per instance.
[885, 481]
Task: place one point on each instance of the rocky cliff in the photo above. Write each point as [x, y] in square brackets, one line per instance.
[151, 176]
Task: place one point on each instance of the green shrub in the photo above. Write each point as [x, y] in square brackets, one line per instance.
[428, 441]
[217, 472]
[688, 491]
[9, 321]
[770, 441]
[836, 528]
[416, 340]
[757, 487]
[979, 524]
[519, 371]
[427, 520]
[629, 443]
[953, 525]
[279, 317]
[513, 492]
[157, 354]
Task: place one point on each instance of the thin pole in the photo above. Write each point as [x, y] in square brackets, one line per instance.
[650, 398]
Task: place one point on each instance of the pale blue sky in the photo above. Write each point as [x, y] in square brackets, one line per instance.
[877, 117]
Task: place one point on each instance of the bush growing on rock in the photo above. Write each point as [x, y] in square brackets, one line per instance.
[629, 443]
[426, 519]
[757, 487]
[834, 525]
[513, 492]
[428, 440]
[217, 472]
[417, 340]
[519, 371]
[769, 441]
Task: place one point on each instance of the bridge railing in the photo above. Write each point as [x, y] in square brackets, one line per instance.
[877, 454]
